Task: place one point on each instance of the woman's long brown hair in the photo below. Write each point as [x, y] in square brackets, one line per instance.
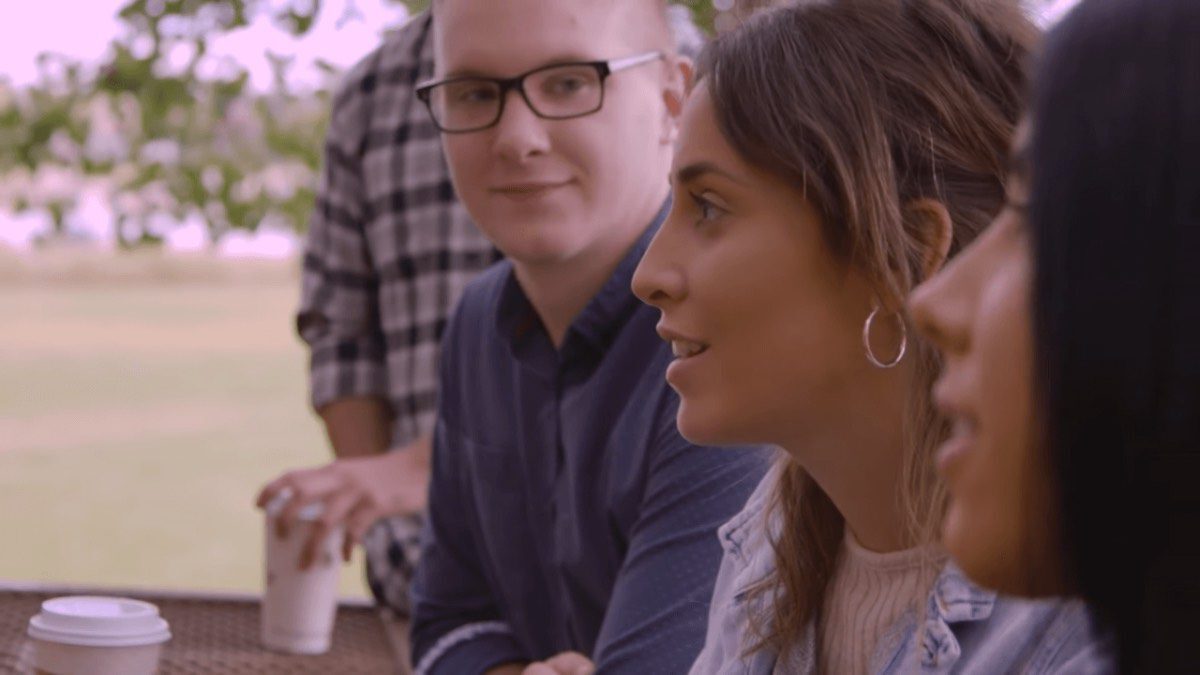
[867, 106]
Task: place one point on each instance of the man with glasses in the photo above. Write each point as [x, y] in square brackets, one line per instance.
[569, 523]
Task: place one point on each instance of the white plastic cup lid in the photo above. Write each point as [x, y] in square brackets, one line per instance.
[92, 621]
[306, 514]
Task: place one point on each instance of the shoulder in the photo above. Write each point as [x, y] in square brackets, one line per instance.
[1068, 641]
[1042, 636]
[472, 360]
[481, 297]
[716, 480]
[404, 53]
[748, 559]
[473, 322]
[669, 450]
[746, 541]
[409, 46]
[746, 537]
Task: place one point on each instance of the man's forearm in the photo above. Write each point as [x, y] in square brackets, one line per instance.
[358, 427]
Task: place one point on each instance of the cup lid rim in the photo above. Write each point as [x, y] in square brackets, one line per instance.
[99, 621]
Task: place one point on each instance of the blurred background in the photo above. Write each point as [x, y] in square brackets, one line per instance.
[158, 160]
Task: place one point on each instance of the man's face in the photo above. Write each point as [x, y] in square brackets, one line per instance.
[547, 192]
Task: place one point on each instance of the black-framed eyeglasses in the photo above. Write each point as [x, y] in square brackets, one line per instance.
[557, 92]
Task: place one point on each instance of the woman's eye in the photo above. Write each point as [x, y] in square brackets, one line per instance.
[707, 209]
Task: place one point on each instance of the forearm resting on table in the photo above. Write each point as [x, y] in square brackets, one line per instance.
[358, 427]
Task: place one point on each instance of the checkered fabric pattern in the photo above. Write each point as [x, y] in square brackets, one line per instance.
[388, 254]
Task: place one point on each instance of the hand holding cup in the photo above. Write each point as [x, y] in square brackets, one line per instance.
[354, 492]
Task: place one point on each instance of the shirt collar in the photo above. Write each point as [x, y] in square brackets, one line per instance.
[735, 535]
[601, 319]
[954, 600]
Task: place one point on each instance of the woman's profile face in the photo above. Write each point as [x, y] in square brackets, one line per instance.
[1000, 526]
[764, 320]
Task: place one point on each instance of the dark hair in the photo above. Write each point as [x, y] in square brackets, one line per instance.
[867, 106]
[1115, 215]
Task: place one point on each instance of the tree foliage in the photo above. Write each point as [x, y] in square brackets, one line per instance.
[159, 141]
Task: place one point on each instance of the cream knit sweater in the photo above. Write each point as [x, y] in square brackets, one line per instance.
[868, 592]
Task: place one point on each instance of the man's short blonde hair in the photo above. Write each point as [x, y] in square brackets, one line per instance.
[672, 29]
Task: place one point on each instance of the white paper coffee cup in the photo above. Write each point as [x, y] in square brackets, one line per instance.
[299, 606]
[91, 635]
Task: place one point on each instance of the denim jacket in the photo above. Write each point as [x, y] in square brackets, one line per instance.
[966, 629]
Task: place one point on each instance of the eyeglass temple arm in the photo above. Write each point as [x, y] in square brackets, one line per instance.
[631, 61]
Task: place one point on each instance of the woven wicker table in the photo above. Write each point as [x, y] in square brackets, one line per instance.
[219, 634]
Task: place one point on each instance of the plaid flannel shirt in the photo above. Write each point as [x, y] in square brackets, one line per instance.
[388, 253]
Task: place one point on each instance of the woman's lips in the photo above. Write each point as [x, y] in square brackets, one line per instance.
[687, 356]
[956, 447]
[687, 352]
[686, 349]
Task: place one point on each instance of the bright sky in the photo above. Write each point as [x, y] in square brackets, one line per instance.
[84, 28]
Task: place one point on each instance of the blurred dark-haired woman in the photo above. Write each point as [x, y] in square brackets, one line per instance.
[1071, 336]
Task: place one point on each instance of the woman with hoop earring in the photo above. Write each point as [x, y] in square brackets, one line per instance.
[810, 196]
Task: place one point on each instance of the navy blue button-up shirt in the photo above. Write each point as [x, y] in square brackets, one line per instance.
[565, 510]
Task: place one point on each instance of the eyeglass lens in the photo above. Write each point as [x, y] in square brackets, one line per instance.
[558, 92]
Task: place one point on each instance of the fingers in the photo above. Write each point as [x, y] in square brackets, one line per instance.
[546, 669]
[292, 481]
[348, 542]
[271, 490]
[308, 487]
[356, 492]
[567, 663]
[357, 523]
[336, 510]
[572, 663]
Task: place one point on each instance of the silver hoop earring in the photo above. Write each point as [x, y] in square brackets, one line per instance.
[867, 342]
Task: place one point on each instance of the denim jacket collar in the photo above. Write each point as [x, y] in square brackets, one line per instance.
[953, 600]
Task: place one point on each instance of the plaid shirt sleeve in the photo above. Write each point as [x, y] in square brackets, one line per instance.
[339, 312]
[390, 249]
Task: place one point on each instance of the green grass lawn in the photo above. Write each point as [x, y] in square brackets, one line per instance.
[138, 418]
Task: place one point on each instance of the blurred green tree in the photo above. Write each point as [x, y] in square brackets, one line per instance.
[163, 142]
